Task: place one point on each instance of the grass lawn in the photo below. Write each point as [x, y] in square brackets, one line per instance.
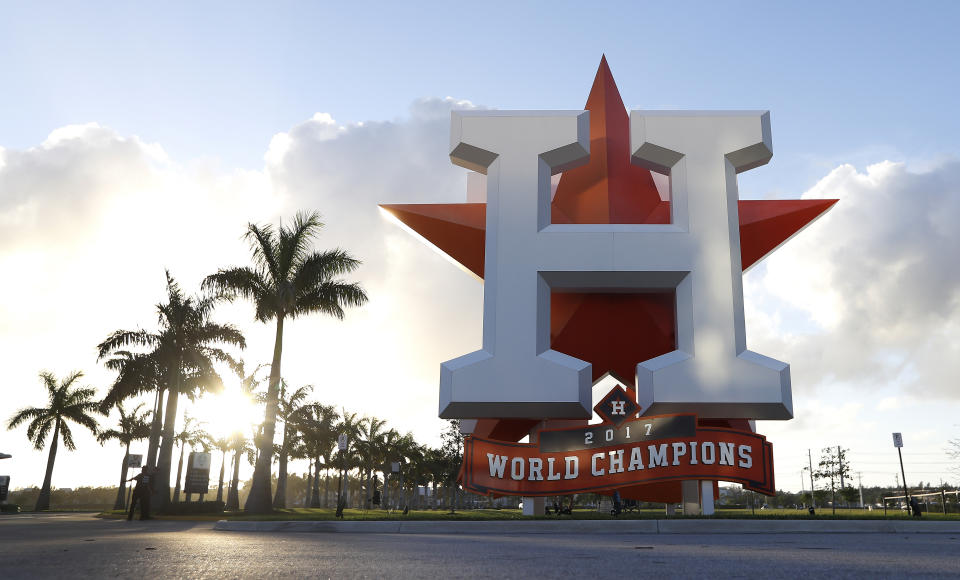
[320, 514]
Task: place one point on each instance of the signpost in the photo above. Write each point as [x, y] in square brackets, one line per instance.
[198, 474]
[342, 442]
[134, 461]
[898, 443]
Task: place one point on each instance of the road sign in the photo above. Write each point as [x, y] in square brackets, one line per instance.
[198, 473]
[200, 460]
[342, 442]
[897, 440]
[134, 460]
[395, 467]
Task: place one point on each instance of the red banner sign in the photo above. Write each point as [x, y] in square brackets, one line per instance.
[636, 454]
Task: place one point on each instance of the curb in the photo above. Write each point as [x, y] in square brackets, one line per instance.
[598, 527]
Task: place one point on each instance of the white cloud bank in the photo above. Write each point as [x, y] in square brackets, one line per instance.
[89, 219]
[870, 294]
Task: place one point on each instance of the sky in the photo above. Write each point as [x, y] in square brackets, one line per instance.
[135, 138]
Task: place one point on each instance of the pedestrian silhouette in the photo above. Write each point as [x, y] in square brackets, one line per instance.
[141, 493]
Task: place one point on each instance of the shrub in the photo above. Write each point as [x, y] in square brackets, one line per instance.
[9, 508]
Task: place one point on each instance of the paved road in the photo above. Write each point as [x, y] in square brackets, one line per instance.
[54, 546]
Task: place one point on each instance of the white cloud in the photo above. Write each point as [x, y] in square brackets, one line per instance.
[874, 283]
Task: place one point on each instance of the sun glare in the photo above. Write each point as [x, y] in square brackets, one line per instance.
[228, 412]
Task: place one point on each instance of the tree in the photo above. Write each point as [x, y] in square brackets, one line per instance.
[292, 412]
[452, 446]
[391, 455]
[193, 435]
[346, 459]
[319, 434]
[435, 468]
[953, 451]
[239, 445]
[835, 467]
[287, 280]
[184, 352]
[132, 427]
[221, 444]
[370, 449]
[137, 373]
[66, 403]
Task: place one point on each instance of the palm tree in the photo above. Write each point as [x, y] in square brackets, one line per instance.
[132, 427]
[239, 444]
[390, 456]
[370, 448]
[138, 373]
[319, 436]
[185, 353]
[66, 404]
[349, 425]
[222, 444]
[287, 280]
[407, 452]
[292, 411]
[193, 435]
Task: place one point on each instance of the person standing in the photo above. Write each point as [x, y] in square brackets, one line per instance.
[141, 493]
[915, 507]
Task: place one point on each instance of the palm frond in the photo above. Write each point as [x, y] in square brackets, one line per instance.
[24, 414]
[120, 339]
[263, 244]
[330, 298]
[294, 243]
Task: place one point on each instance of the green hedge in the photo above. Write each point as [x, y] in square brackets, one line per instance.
[10, 508]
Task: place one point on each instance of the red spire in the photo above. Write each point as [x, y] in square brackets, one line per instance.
[608, 189]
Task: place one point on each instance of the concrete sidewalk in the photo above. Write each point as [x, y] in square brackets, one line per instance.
[602, 527]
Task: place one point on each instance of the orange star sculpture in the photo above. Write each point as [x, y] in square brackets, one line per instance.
[613, 332]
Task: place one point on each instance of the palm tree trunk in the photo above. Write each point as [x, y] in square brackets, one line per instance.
[155, 427]
[280, 498]
[258, 501]
[385, 495]
[326, 488]
[43, 500]
[161, 491]
[121, 502]
[176, 490]
[233, 496]
[223, 461]
[306, 495]
[315, 495]
[369, 492]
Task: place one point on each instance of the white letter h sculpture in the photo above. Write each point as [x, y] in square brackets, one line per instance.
[711, 372]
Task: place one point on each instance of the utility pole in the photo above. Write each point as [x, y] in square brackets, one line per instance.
[813, 500]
